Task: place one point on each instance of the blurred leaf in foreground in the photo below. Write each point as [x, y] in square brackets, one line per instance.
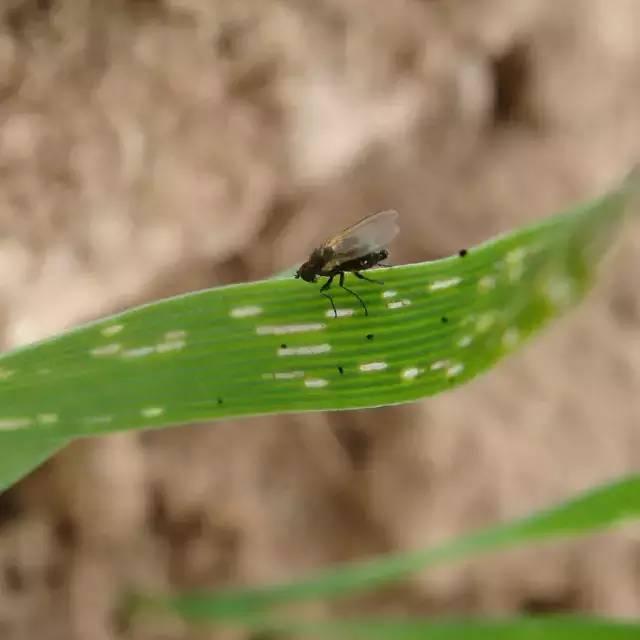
[596, 510]
[542, 628]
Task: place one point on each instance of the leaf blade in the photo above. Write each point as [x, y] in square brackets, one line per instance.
[431, 327]
[523, 628]
[19, 455]
[595, 510]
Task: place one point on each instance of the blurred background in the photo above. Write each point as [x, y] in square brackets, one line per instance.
[151, 147]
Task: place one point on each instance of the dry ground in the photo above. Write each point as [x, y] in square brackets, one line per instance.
[149, 147]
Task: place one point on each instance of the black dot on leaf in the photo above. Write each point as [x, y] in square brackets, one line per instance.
[369, 336]
[283, 346]
[341, 370]
[462, 253]
[444, 319]
[219, 400]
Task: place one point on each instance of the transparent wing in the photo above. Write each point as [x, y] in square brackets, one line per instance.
[370, 234]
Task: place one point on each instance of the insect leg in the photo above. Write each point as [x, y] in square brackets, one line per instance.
[327, 284]
[323, 288]
[357, 274]
[333, 306]
[353, 293]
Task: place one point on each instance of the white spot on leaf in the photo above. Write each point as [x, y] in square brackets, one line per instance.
[106, 350]
[445, 284]
[411, 372]
[486, 283]
[139, 352]
[373, 366]
[283, 375]
[514, 259]
[516, 255]
[307, 350]
[342, 313]
[439, 364]
[465, 341]
[173, 345]
[245, 312]
[111, 330]
[559, 291]
[315, 383]
[484, 322]
[398, 304]
[455, 369]
[389, 294]
[289, 328]
[14, 423]
[47, 418]
[288, 375]
[152, 412]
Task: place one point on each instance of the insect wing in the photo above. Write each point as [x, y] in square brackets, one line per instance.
[370, 234]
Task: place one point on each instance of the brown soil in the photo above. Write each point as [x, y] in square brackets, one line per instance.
[149, 147]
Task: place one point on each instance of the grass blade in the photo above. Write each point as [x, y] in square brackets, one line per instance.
[525, 628]
[598, 509]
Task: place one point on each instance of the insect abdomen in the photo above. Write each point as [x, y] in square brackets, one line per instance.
[363, 262]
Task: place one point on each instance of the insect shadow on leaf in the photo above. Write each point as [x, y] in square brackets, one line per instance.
[356, 249]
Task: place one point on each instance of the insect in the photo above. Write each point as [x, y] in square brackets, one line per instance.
[357, 248]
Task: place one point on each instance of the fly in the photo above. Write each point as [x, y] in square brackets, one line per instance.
[357, 248]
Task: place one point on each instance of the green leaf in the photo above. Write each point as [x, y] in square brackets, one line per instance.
[595, 510]
[20, 454]
[525, 628]
[274, 346]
